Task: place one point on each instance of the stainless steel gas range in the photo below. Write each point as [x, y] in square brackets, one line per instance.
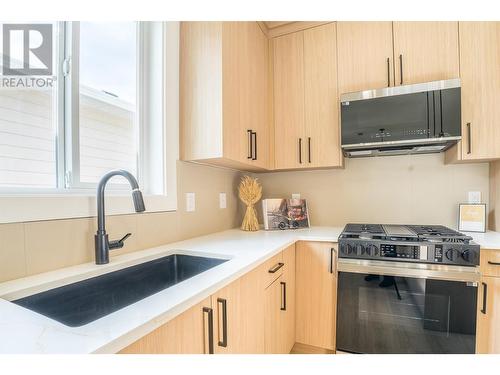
[406, 289]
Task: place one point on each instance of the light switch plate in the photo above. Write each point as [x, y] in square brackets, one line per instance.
[190, 202]
[474, 197]
[222, 200]
[295, 195]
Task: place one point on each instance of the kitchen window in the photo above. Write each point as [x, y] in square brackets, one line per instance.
[107, 109]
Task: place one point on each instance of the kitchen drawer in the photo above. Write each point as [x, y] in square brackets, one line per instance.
[490, 263]
[272, 269]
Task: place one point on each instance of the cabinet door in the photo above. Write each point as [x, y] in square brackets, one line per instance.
[288, 296]
[322, 141]
[488, 316]
[316, 292]
[186, 334]
[275, 326]
[245, 93]
[425, 51]
[288, 75]
[365, 55]
[239, 315]
[480, 76]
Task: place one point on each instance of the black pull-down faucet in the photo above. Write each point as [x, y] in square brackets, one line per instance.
[102, 243]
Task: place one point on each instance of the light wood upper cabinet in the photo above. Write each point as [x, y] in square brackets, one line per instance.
[480, 77]
[322, 138]
[306, 116]
[224, 103]
[185, 334]
[425, 51]
[289, 126]
[488, 316]
[316, 293]
[365, 54]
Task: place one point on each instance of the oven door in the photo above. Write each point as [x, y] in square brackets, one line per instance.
[392, 308]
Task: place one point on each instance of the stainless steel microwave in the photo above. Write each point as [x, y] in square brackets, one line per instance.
[417, 118]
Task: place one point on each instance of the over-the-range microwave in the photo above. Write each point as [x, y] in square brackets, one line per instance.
[417, 118]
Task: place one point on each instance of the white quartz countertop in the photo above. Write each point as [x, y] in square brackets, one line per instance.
[24, 331]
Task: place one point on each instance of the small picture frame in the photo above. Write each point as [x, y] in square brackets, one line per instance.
[472, 217]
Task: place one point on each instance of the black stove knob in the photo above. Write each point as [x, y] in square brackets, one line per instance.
[371, 250]
[359, 249]
[346, 249]
[470, 256]
[452, 255]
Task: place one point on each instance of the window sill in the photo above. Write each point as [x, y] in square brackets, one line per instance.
[54, 206]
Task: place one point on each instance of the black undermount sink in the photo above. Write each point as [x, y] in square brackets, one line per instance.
[85, 301]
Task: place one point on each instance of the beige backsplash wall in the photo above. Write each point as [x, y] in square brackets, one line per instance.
[397, 189]
[35, 247]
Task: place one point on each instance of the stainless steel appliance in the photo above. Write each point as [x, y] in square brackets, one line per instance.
[409, 119]
[406, 289]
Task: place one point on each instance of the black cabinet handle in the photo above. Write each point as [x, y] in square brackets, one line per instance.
[309, 149]
[493, 263]
[388, 72]
[250, 148]
[276, 267]
[254, 134]
[210, 312]
[283, 296]
[222, 301]
[300, 150]
[485, 296]
[332, 258]
[401, 68]
[469, 139]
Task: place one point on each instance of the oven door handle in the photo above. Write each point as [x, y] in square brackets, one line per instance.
[413, 270]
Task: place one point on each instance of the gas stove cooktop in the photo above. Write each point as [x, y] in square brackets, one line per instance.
[411, 243]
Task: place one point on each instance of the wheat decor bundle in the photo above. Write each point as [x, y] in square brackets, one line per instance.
[250, 191]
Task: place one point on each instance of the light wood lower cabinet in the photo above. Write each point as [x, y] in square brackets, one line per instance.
[186, 334]
[280, 308]
[239, 315]
[316, 293]
[488, 316]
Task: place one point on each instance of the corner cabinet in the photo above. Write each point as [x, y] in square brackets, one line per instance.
[224, 100]
[488, 304]
[480, 77]
[306, 104]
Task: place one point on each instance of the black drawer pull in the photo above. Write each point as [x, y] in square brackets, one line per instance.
[210, 313]
[388, 72]
[275, 268]
[493, 263]
[254, 145]
[223, 343]
[250, 148]
[300, 150]
[485, 296]
[401, 67]
[469, 139]
[309, 148]
[283, 296]
[332, 257]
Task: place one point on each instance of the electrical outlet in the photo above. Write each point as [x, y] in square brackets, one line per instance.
[222, 200]
[190, 202]
[295, 195]
[474, 197]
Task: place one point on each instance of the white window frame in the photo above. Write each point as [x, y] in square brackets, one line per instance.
[20, 205]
